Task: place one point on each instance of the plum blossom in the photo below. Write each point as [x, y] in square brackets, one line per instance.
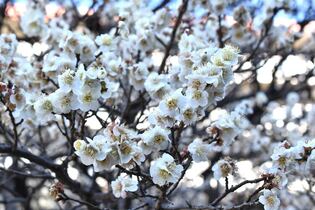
[164, 170]
[223, 168]
[270, 200]
[156, 138]
[171, 103]
[123, 184]
[94, 149]
[199, 150]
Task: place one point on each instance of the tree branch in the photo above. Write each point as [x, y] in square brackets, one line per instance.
[182, 11]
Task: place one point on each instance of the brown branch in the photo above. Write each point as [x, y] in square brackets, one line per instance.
[220, 32]
[92, 206]
[255, 193]
[59, 170]
[232, 189]
[14, 125]
[161, 5]
[226, 184]
[236, 207]
[262, 38]
[20, 173]
[182, 175]
[182, 11]
[2, 11]
[136, 173]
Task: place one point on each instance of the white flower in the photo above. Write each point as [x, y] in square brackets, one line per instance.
[79, 145]
[108, 88]
[218, 61]
[138, 74]
[164, 170]
[212, 75]
[227, 129]
[9, 44]
[88, 101]
[79, 79]
[157, 118]
[269, 200]
[110, 160]
[138, 155]
[92, 85]
[230, 54]
[223, 168]
[199, 150]
[162, 18]
[282, 157]
[71, 42]
[87, 50]
[197, 97]
[33, 22]
[188, 114]
[64, 102]
[202, 56]
[86, 152]
[96, 149]
[93, 71]
[171, 103]
[114, 66]
[190, 43]
[124, 184]
[145, 41]
[100, 142]
[18, 99]
[241, 36]
[66, 80]
[54, 62]
[123, 29]
[126, 151]
[156, 137]
[145, 149]
[155, 82]
[196, 81]
[106, 42]
[44, 107]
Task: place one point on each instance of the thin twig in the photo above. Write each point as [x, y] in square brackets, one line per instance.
[182, 11]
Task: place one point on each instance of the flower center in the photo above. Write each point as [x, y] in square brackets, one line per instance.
[125, 149]
[87, 98]
[197, 95]
[196, 84]
[282, 161]
[172, 104]
[66, 101]
[68, 79]
[188, 114]
[225, 169]
[218, 62]
[270, 200]
[47, 105]
[158, 139]
[164, 173]
[90, 151]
